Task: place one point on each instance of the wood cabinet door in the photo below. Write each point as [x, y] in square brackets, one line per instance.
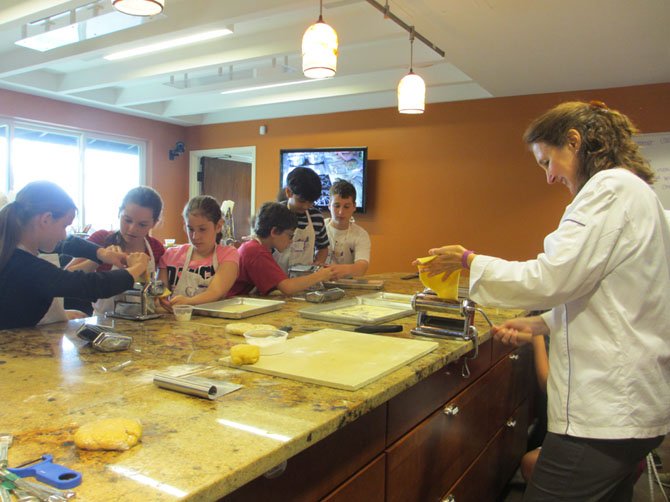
[366, 486]
[424, 463]
[489, 474]
[315, 472]
[413, 405]
[515, 381]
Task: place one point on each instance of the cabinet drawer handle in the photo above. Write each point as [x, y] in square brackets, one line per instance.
[514, 357]
[449, 498]
[451, 410]
[511, 423]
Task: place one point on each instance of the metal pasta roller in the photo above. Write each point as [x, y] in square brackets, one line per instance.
[103, 340]
[441, 318]
[300, 270]
[327, 295]
[129, 308]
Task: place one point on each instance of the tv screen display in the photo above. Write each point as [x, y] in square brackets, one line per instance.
[330, 164]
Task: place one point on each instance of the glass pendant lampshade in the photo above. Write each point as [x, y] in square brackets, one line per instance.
[411, 88]
[139, 7]
[411, 94]
[319, 50]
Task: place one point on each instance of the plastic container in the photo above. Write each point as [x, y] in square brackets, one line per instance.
[269, 341]
[182, 312]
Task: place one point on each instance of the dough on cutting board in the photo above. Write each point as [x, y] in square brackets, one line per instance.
[244, 354]
[109, 434]
[239, 328]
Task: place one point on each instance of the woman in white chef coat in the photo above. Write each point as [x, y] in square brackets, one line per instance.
[605, 277]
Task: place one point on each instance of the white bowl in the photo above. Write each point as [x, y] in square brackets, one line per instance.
[269, 341]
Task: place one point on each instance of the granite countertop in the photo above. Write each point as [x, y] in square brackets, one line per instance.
[192, 448]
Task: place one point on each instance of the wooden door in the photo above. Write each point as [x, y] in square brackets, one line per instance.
[229, 180]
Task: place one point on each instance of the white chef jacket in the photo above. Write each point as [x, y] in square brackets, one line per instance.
[605, 274]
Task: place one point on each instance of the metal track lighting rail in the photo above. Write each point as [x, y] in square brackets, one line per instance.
[384, 9]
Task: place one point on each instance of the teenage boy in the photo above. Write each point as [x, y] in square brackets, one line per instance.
[272, 229]
[349, 243]
[310, 240]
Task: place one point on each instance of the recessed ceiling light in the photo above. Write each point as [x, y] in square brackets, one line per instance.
[169, 44]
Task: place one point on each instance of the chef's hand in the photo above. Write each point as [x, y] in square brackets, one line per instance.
[112, 255]
[511, 336]
[137, 264]
[448, 259]
[520, 331]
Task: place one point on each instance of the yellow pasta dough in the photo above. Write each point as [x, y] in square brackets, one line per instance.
[240, 328]
[244, 354]
[109, 434]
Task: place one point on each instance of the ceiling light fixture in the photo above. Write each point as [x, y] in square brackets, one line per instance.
[319, 49]
[412, 88]
[169, 44]
[139, 7]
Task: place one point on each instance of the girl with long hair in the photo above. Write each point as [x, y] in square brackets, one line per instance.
[36, 222]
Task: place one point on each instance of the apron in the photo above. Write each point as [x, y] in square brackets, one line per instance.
[56, 312]
[301, 250]
[191, 283]
[340, 251]
[103, 305]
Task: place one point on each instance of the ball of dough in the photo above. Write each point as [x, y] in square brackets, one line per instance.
[109, 434]
[238, 328]
[244, 354]
[264, 326]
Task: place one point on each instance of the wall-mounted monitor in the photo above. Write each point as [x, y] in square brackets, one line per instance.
[348, 163]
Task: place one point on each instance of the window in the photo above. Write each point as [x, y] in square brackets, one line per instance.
[110, 170]
[95, 171]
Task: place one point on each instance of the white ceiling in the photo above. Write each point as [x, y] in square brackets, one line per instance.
[493, 48]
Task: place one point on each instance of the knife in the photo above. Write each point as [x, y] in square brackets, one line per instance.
[382, 328]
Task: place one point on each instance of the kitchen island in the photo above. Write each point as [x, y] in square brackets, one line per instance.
[338, 444]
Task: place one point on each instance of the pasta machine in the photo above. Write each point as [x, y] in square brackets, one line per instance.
[441, 318]
[126, 308]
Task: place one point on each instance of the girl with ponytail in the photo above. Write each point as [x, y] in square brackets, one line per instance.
[36, 222]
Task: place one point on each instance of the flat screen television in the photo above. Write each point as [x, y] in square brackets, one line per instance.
[349, 163]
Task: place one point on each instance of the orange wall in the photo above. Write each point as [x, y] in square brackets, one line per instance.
[459, 173]
[170, 178]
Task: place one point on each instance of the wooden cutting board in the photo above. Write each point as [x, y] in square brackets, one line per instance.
[341, 359]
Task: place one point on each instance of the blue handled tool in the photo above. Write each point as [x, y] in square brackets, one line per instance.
[50, 473]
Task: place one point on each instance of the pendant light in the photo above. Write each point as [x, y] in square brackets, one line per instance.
[412, 88]
[319, 49]
[139, 7]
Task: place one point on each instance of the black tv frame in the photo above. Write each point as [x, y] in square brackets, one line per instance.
[364, 149]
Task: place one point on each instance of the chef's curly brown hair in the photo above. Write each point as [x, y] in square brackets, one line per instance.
[607, 138]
